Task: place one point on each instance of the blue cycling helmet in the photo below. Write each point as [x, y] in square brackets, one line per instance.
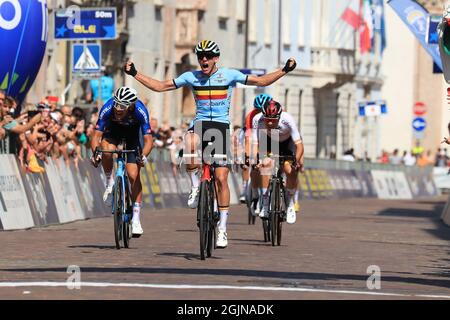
[261, 99]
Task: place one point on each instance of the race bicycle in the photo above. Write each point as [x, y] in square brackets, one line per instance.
[122, 205]
[277, 201]
[207, 214]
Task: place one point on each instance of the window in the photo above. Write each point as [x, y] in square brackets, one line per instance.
[240, 27]
[158, 13]
[268, 18]
[286, 9]
[253, 14]
[223, 24]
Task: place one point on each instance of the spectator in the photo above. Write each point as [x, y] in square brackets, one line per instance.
[408, 159]
[395, 158]
[424, 160]
[349, 155]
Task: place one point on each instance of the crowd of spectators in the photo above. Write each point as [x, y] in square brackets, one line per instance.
[38, 131]
[46, 129]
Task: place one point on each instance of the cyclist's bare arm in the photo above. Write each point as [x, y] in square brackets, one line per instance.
[155, 85]
[269, 78]
[148, 145]
[96, 139]
[299, 151]
[152, 84]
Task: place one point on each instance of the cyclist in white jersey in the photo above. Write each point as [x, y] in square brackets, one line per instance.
[212, 88]
[275, 132]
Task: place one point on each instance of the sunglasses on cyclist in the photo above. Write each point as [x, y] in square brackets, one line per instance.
[119, 106]
[208, 55]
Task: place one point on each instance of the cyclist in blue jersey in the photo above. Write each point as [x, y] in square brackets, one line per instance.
[124, 117]
[212, 88]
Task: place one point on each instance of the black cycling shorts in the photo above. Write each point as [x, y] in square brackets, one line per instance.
[284, 148]
[133, 138]
[216, 139]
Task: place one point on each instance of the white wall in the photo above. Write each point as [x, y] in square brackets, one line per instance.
[399, 72]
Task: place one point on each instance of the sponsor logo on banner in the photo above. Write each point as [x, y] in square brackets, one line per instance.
[40, 198]
[391, 184]
[15, 212]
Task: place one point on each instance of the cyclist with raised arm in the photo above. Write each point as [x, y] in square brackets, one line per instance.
[276, 129]
[212, 89]
[258, 103]
[124, 117]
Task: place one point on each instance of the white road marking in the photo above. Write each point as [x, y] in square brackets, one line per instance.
[210, 287]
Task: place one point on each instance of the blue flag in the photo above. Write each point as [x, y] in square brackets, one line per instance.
[416, 18]
[377, 7]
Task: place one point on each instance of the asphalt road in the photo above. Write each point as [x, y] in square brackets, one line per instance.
[325, 255]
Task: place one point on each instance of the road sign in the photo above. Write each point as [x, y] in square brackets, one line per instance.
[419, 108]
[86, 59]
[419, 124]
[86, 23]
[253, 72]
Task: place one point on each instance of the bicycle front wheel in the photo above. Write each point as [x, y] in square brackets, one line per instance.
[118, 210]
[274, 210]
[202, 217]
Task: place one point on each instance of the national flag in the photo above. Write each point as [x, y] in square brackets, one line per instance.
[366, 29]
[378, 23]
[352, 15]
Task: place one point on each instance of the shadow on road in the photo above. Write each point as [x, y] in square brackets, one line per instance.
[187, 256]
[92, 246]
[279, 275]
[439, 231]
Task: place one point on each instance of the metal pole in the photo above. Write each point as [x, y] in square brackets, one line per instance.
[247, 18]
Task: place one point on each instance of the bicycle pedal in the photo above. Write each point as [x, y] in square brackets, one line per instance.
[136, 235]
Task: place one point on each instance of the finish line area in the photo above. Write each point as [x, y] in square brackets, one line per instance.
[328, 254]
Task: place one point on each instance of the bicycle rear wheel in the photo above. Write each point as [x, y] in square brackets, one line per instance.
[202, 216]
[126, 218]
[118, 209]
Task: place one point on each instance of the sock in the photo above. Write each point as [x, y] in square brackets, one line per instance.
[215, 206]
[290, 196]
[297, 193]
[195, 180]
[136, 211]
[223, 219]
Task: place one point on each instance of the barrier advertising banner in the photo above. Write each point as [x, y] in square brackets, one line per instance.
[40, 198]
[63, 188]
[15, 212]
[391, 184]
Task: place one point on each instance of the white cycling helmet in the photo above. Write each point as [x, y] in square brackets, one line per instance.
[125, 96]
[207, 46]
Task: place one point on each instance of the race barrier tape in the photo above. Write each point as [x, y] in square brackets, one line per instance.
[64, 193]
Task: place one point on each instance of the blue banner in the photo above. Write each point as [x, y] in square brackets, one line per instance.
[377, 7]
[99, 23]
[416, 18]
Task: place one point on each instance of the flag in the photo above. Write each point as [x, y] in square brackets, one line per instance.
[415, 17]
[378, 23]
[366, 29]
[352, 15]
[358, 16]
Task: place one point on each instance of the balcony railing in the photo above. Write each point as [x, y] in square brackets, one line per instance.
[333, 60]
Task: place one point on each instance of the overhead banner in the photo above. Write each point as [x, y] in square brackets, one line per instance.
[416, 19]
[85, 23]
